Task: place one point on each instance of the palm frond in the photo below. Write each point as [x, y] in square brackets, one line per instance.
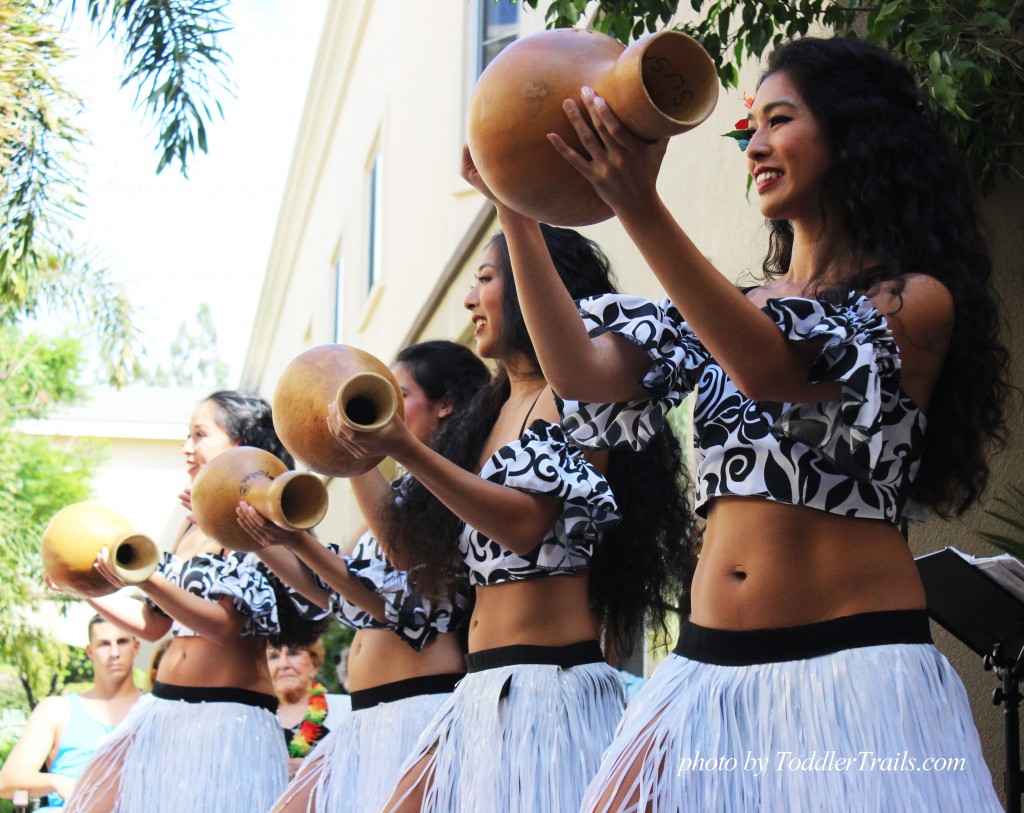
[174, 61]
[1011, 537]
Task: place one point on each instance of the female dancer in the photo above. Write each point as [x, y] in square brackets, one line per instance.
[525, 729]
[807, 664]
[408, 652]
[207, 738]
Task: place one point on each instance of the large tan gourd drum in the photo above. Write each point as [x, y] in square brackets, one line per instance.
[662, 85]
[295, 501]
[78, 532]
[367, 395]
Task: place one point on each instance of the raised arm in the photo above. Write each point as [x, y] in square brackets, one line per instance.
[741, 337]
[604, 369]
[21, 770]
[514, 519]
[333, 570]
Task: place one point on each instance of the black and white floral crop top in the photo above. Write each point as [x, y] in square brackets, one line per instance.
[414, 619]
[543, 461]
[855, 456]
[212, 576]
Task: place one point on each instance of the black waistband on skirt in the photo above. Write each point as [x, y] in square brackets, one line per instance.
[577, 654]
[747, 647]
[214, 694]
[402, 689]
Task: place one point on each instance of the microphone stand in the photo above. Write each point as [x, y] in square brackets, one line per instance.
[1009, 670]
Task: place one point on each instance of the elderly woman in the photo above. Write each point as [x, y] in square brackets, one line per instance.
[305, 710]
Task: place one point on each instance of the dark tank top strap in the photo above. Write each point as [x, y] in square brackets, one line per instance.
[529, 412]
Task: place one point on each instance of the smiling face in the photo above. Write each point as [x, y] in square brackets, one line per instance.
[788, 154]
[206, 438]
[484, 302]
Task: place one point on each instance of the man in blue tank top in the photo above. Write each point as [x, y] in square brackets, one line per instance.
[63, 731]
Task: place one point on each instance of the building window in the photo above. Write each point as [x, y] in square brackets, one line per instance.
[498, 27]
[374, 237]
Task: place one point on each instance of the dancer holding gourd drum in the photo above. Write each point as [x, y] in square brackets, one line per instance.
[408, 650]
[525, 729]
[207, 738]
[808, 633]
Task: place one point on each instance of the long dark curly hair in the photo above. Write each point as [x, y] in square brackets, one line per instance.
[642, 569]
[442, 369]
[247, 419]
[901, 191]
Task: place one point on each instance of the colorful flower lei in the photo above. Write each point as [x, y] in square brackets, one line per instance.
[742, 131]
[311, 727]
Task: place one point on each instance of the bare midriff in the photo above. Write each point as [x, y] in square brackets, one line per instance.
[767, 565]
[200, 662]
[543, 611]
[380, 656]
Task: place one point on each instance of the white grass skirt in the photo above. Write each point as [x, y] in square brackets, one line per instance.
[169, 756]
[871, 728]
[525, 737]
[355, 767]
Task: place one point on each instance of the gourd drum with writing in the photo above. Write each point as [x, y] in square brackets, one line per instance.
[367, 395]
[295, 501]
[78, 532]
[661, 85]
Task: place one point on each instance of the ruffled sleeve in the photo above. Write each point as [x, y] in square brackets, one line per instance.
[543, 462]
[241, 578]
[373, 572]
[306, 609]
[417, 620]
[858, 351]
[412, 618]
[676, 358]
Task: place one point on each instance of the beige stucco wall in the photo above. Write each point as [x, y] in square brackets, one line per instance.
[404, 88]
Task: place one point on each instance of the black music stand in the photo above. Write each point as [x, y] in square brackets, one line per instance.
[989, 618]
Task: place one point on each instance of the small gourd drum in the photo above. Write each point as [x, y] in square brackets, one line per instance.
[365, 391]
[78, 532]
[293, 500]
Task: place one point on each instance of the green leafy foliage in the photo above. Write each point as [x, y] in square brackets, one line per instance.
[37, 174]
[69, 289]
[173, 59]
[1010, 514]
[968, 54]
[36, 372]
[37, 478]
[336, 639]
